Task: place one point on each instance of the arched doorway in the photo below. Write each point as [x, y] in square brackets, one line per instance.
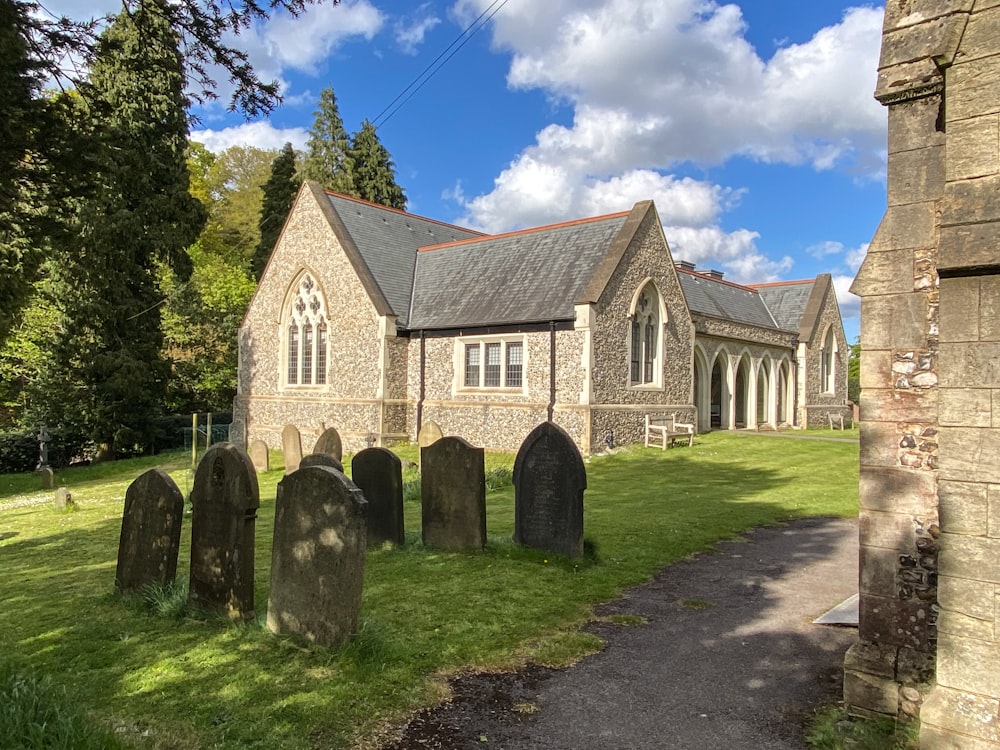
[764, 392]
[719, 392]
[742, 389]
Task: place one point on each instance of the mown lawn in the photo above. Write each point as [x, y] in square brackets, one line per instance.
[173, 680]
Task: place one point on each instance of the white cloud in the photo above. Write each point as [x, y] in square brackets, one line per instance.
[410, 33]
[303, 41]
[850, 304]
[260, 134]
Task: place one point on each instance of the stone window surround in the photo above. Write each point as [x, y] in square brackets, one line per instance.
[458, 370]
[828, 361]
[660, 320]
[296, 309]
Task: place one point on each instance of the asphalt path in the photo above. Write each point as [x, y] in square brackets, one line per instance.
[727, 657]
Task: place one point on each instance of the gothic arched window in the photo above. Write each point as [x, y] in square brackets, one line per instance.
[306, 331]
[645, 342]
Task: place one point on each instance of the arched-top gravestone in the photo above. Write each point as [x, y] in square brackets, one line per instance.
[291, 447]
[430, 433]
[260, 455]
[453, 494]
[224, 500]
[329, 442]
[549, 480]
[379, 474]
[321, 459]
[151, 532]
[318, 556]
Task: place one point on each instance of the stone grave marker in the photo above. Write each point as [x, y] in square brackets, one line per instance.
[151, 532]
[318, 556]
[259, 455]
[453, 491]
[321, 459]
[430, 433]
[379, 474]
[224, 499]
[291, 447]
[47, 477]
[63, 499]
[329, 442]
[549, 480]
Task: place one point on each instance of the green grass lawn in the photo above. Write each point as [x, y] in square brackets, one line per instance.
[177, 681]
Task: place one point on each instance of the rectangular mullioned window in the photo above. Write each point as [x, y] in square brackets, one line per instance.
[494, 363]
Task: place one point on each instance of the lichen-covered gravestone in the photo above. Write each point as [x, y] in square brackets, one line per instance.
[453, 494]
[549, 480]
[259, 455]
[151, 532]
[321, 459]
[224, 499]
[379, 474]
[291, 447]
[329, 442]
[318, 556]
[430, 433]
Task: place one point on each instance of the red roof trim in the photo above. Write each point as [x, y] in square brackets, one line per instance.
[546, 228]
[403, 213]
[782, 283]
[717, 281]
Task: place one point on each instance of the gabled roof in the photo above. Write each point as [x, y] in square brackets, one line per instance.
[787, 301]
[722, 299]
[386, 242]
[531, 276]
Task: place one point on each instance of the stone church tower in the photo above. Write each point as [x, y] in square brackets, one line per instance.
[930, 377]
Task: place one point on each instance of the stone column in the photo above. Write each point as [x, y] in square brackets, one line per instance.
[963, 709]
[890, 668]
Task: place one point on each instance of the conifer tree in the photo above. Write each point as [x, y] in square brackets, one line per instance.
[374, 172]
[279, 193]
[139, 218]
[328, 160]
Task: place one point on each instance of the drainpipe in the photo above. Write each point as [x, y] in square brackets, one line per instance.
[552, 369]
[795, 382]
[420, 396]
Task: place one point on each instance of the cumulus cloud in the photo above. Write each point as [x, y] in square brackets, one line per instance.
[410, 32]
[259, 134]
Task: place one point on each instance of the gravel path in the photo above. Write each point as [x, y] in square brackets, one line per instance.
[728, 659]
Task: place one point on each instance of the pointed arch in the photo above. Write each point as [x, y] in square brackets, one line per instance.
[721, 413]
[828, 361]
[742, 390]
[304, 326]
[647, 314]
[765, 396]
[702, 389]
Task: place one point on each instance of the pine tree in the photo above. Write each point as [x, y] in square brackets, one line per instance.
[374, 172]
[279, 193]
[328, 160]
[139, 218]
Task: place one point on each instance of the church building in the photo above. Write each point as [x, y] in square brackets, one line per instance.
[375, 321]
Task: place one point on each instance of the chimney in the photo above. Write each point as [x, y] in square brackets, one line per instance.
[715, 274]
[684, 265]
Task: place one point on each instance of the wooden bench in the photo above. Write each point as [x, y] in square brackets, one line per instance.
[666, 430]
[836, 421]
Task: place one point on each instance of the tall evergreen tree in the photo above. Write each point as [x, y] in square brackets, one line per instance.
[374, 172]
[140, 218]
[328, 159]
[279, 193]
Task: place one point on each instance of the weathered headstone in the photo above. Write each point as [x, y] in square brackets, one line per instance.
[430, 433]
[329, 443]
[63, 499]
[549, 480]
[318, 556]
[453, 492]
[321, 459]
[291, 447]
[151, 532]
[47, 477]
[259, 455]
[224, 499]
[379, 474]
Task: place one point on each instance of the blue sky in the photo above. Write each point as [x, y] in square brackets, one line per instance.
[751, 124]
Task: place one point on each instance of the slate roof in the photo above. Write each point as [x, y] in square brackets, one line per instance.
[387, 240]
[787, 301]
[723, 299]
[532, 276]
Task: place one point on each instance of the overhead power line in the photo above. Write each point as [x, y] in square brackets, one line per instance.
[428, 72]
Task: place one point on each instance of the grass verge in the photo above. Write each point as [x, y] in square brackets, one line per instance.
[164, 679]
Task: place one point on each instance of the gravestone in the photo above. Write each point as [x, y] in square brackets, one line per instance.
[453, 491]
[151, 532]
[318, 556]
[430, 433]
[225, 498]
[47, 477]
[63, 499]
[321, 459]
[329, 443]
[379, 474]
[291, 447]
[549, 480]
[259, 455]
